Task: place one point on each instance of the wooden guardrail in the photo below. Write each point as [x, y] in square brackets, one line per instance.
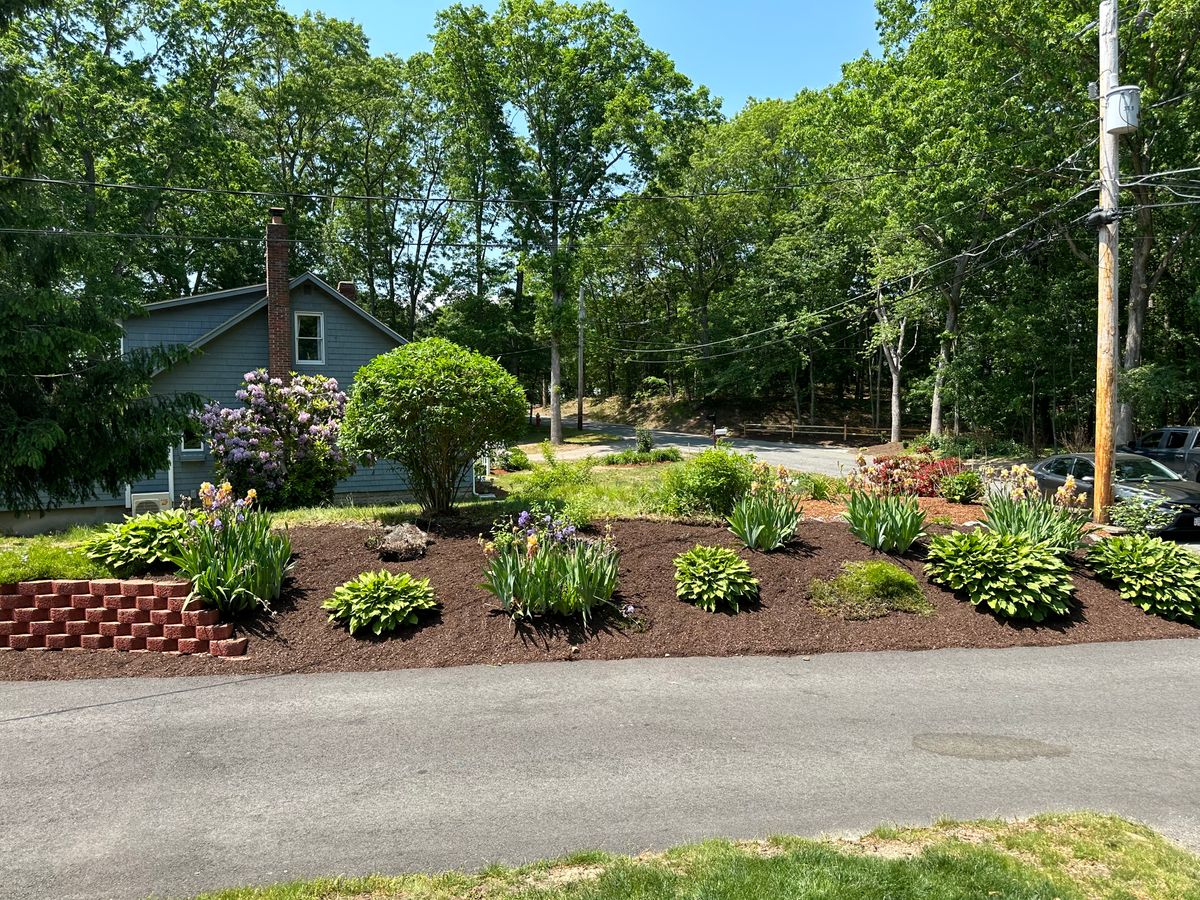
[843, 432]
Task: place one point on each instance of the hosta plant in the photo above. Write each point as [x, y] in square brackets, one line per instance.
[380, 602]
[712, 577]
[884, 522]
[233, 558]
[1160, 577]
[767, 517]
[1007, 573]
[539, 564]
[139, 543]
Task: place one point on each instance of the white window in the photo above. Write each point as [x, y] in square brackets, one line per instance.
[192, 442]
[310, 339]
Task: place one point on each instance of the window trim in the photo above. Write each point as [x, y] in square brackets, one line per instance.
[320, 316]
[185, 450]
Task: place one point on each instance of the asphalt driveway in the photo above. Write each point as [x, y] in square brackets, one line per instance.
[129, 787]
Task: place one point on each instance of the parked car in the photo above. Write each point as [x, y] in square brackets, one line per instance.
[1176, 447]
[1135, 476]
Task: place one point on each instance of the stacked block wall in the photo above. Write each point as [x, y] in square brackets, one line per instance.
[110, 614]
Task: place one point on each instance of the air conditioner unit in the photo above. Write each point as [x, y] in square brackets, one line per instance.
[150, 503]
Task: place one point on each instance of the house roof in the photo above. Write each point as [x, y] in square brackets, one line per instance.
[258, 294]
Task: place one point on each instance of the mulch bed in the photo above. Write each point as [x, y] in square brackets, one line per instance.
[469, 629]
[934, 507]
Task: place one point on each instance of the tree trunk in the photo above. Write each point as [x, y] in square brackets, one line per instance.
[812, 387]
[948, 340]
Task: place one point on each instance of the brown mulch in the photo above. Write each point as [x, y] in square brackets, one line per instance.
[469, 629]
[934, 507]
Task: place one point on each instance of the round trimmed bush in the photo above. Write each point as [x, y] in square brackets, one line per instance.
[1009, 574]
[711, 483]
[433, 406]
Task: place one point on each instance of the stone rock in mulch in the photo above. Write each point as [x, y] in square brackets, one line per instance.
[404, 542]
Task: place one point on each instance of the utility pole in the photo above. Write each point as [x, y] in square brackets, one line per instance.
[1107, 309]
[579, 381]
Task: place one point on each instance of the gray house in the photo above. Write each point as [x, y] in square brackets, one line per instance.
[284, 325]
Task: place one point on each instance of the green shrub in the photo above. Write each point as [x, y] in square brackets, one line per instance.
[883, 522]
[538, 565]
[1141, 514]
[1160, 577]
[961, 487]
[235, 562]
[380, 602]
[644, 438]
[513, 459]
[139, 543]
[433, 407]
[40, 558]
[652, 386]
[639, 457]
[1009, 574]
[1040, 521]
[711, 577]
[815, 486]
[709, 483]
[868, 590]
[765, 519]
[555, 474]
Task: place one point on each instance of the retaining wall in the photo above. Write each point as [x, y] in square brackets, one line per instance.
[110, 614]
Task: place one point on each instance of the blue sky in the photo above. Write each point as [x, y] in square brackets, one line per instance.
[752, 48]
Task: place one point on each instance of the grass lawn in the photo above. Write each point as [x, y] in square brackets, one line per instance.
[1080, 855]
[534, 436]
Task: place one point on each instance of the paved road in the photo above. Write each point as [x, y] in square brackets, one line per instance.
[131, 786]
[804, 457]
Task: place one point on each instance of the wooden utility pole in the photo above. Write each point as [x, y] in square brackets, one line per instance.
[579, 380]
[1107, 311]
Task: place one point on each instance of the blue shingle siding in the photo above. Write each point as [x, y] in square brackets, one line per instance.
[183, 324]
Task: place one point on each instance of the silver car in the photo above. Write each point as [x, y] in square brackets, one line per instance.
[1135, 476]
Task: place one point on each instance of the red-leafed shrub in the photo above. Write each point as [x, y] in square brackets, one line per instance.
[916, 473]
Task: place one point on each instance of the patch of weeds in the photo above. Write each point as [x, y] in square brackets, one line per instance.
[869, 590]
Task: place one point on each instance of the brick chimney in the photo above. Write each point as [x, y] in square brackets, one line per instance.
[279, 298]
[349, 290]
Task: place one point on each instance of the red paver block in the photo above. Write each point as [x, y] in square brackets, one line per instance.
[151, 602]
[8, 587]
[165, 617]
[6, 615]
[13, 601]
[129, 616]
[137, 588]
[28, 614]
[61, 641]
[115, 629]
[51, 601]
[188, 645]
[214, 632]
[86, 601]
[201, 617]
[66, 614]
[178, 632]
[127, 642]
[235, 647]
[33, 588]
[100, 615]
[9, 628]
[119, 601]
[171, 589]
[95, 642]
[71, 586]
[45, 628]
[146, 630]
[161, 644]
[105, 586]
[26, 641]
[79, 629]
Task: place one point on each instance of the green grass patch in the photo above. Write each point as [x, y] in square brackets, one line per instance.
[31, 559]
[1068, 856]
[533, 437]
[869, 590]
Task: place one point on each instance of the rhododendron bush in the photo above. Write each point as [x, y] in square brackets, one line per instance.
[284, 442]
